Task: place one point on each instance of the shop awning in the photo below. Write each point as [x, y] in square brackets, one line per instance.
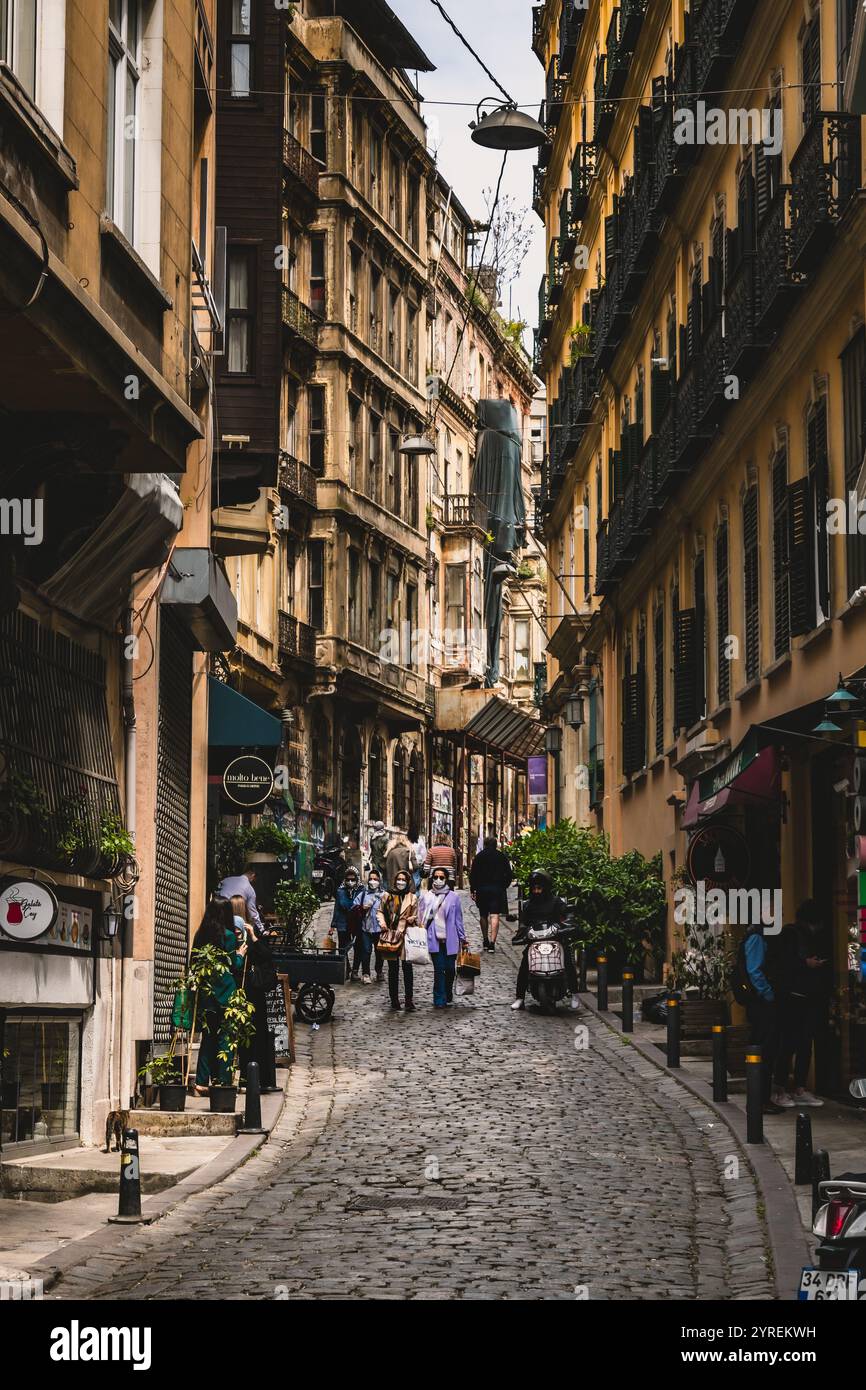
[506, 728]
[750, 776]
[236, 722]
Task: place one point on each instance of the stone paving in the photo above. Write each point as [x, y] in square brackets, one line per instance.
[473, 1153]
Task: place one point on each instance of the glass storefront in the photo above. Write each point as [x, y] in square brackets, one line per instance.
[40, 1078]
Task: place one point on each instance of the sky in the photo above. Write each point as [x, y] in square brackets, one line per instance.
[500, 30]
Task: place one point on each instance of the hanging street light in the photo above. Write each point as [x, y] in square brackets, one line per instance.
[417, 446]
[507, 128]
[111, 919]
[553, 740]
[574, 710]
[841, 701]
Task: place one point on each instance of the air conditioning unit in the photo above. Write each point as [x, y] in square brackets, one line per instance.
[854, 94]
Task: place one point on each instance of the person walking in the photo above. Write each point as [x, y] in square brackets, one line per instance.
[442, 916]
[259, 976]
[346, 912]
[442, 856]
[369, 901]
[490, 878]
[399, 859]
[397, 913]
[763, 1019]
[801, 976]
[243, 886]
[419, 849]
[379, 848]
[217, 928]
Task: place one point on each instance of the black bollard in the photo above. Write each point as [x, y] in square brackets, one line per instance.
[720, 1062]
[129, 1200]
[820, 1173]
[803, 1158]
[627, 1001]
[601, 986]
[253, 1102]
[581, 977]
[754, 1095]
[674, 1019]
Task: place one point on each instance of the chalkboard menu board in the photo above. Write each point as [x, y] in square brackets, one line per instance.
[279, 1002]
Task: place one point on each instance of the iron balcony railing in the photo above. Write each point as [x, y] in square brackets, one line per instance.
[298, 161]
[568, 226]
[631, 18]
[570, 24]
[604, 112]
[555, 273]
[554, 93]
[464, 511]
[299, 318]
[712, 372]
[690, 437]
[825, 175]
[296, 479]
[582, 175]
[297, 639]
[538, 31]
[713, 51]
[744, 344]
[539, 178]
[779, 284]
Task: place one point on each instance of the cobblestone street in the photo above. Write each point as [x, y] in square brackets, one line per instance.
[563, 1171]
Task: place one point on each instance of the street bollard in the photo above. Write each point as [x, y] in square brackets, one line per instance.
[820, 1173]
[754, 1095]
[803, 1157]
[627, 1001]
[601, 987]
[720, 1062]
[581, 977]
[674, 1017]
[253, 1102]
[129, 1199]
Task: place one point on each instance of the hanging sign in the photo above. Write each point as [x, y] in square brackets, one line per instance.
[718, 855]
[27, 909]
[248, 781]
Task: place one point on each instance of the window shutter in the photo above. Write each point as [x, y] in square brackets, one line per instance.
[700, 639]
[723, 665]
[615, 469]
[810, 50]
[660, 396]
[644, 151]
[762, 182]
[685, 668]
[781, 576]
[660, 677]
[802, 587]
[610, 237]
[751, 566]
[632, 760]
[819, 473]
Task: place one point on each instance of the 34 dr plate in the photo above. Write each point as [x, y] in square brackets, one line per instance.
[318, 873]
[823, 1285]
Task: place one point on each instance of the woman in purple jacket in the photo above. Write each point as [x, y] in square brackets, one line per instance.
[442, 915]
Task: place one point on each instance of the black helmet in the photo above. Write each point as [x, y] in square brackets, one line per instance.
[539, 879]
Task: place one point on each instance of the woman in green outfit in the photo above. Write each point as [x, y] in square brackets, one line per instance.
[217, 929]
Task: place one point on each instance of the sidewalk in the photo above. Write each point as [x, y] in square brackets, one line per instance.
[35, 1228]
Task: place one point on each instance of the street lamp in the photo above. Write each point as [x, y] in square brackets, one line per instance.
[112, 917]
[841, 702]
[574, 710]
[553, 740]
[417, 446]
[507, 128]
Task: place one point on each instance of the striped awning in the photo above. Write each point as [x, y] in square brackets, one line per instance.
[508, 729]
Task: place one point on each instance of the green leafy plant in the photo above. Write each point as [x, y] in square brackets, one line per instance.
[73, 837]
[207, 967]
[163, 1071]
[704, 963]
[237, 1030]
[268, 838]
[115, 840]
[513, 330]
[580, 342]
[230, 853]
[526, 570]
[619, 902]
[430, 519]
[295, 905]
[24, 797]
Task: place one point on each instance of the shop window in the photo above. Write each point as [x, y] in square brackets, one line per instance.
[41, 1063]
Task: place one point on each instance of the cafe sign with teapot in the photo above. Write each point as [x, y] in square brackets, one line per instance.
[28, 910]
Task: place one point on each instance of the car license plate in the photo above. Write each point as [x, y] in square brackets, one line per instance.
[318, 873]
[822, 1285]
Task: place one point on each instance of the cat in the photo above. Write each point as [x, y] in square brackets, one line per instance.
[116, 1123]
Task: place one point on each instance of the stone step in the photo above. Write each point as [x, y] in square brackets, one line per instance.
[183, 1124]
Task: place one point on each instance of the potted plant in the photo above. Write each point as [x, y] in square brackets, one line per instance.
[237, 1031]
[166, 1074]
[231, 853]
[295, 905]
[23, 816]
[266, 843]
[699, 971]
[76, 847]
[207, 966]
[116, 845]
[581, 343]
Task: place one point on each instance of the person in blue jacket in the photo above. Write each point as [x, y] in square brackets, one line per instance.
[762, 1014]
[217, 929]
[345, 900]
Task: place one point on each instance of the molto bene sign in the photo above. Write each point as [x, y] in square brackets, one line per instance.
[27, 909]
[248, 781]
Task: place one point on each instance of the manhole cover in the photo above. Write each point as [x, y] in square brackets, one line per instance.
[390, 1200]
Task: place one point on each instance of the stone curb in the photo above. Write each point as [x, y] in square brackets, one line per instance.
[790, 1249]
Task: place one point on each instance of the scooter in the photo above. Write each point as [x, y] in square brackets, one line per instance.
[548, 943]
[329, 869]
[840, 1221]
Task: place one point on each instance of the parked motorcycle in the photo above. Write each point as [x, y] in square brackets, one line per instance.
[329, 868]
[840, 1221]
[548, 943]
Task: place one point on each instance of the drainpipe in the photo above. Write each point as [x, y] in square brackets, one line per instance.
[130, 790]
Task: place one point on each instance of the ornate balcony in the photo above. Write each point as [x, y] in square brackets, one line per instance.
[825, 175]
[666, 478]
[299, 318]
[713, 52]
[712, 374]
[670, 165]
[299, 163]
[568, 226]
[539, 179]
[297, 640]
[584, 385]
[537, 353]
[554, 94]
[779, 284]
[570, 24]
[645, 502]
[631, 17]
[582, 175]
[464, 512]
[735, 19]
[295, 479]
[545, 317]
[538, 31]
[604, 112]
[690, 436]
[613, 315]
[604, 582]
[744, 345]
[555, 273]
[618, 57]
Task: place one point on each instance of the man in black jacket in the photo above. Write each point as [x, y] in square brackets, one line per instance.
[800, 968]
[542, 906]
[490, 878]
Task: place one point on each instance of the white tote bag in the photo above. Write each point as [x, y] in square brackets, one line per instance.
[415, 950]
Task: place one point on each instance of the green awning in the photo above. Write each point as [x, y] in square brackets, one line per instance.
[236, 722]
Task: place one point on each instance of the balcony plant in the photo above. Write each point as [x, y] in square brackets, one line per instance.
[24, 815]
[295, 905]
[580, 339]
[237, 1030]
[75, 843]
[116, 845]
[166, 1073]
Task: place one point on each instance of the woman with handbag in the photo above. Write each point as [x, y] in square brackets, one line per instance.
[369, 901]
[442, 915]
[398, 912]
[259, 977]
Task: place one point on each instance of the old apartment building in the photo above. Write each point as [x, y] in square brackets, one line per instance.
[701, 332]
[109, 316]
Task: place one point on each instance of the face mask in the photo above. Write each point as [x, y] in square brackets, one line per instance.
[373, 885]
[439, 883]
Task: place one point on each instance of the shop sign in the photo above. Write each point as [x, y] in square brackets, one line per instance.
[27, 909]
[537, 780]
[248, 781]
[718, 855]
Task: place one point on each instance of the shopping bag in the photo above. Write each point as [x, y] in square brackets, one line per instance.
[468, 963]
[416, 946]
[181, 1011]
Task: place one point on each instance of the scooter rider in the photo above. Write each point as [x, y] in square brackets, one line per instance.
[542, 905]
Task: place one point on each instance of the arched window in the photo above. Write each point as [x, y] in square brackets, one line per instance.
[376, 779]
